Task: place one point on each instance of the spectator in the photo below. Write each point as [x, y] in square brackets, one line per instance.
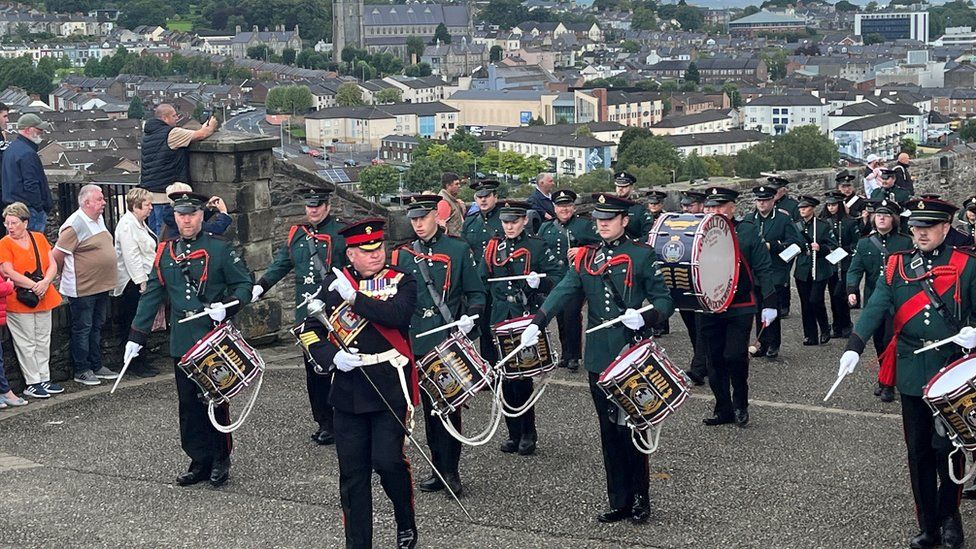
[541, 198]
[872, 173]
[22, 173]
[164, 156]
[30, 327]
[86, 254]
[135, 252]
[215, 218]
[903, 179]
[7, 398]
[450, 211]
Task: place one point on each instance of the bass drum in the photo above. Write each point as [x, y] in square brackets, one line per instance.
[699, 259]
[951, 395]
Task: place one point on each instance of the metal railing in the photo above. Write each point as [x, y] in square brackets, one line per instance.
[114, 199]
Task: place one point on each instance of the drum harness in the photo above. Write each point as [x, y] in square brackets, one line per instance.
[437, 298]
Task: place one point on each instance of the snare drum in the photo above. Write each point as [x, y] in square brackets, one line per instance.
[222, 364]
[699, 260]
[452, 372]
[951, 394]
[529, 362]
[644, 384]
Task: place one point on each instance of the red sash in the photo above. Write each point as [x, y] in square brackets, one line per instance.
[943, 279]
[396, 339]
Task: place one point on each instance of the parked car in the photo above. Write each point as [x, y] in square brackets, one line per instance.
[351, 163]
[314, 153]
[305, 149]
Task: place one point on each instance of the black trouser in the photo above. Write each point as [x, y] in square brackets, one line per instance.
[368, 442]
[488, 350]
[840, 309]
[936, 496]
[785, 297]
[626, 468]
[772, 335]
[445, 450]
[318, 396]
[812, 307]
[128, 303]
[198, 437]
[726, 342]
[517, 393]
[570, 321]
[882, 336]
[697, 368]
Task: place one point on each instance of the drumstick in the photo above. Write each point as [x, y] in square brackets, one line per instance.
[208, 310]
[510, 355]
[834, 386]
[618, 319]
[935, 345]
[755, 347]
[517, 277]
[125, 366]
[444, 327]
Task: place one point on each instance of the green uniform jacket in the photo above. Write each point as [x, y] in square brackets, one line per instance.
[779, 232]
[828, 243]
[914, 371]
[790, 205]
[455, 278]
[560, 238]
[227, 279]
[636, 279]
[754, 261]
[895, 193]
[967, 229]
[639, 222]
[515, 298]
[478, 229]
[870, 259]
[847, 233]
[330, 247]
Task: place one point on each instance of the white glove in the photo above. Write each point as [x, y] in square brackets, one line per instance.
[966, 338]
[218, 315]
[347, 361]
[131, 351]
[342, 285]
[465, 324]
[533, 280]
[256, 292]
[632, 319]
[768, 316]
[530, 337]
[848, 361]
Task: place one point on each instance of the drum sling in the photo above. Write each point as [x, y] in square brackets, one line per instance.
[437, 298]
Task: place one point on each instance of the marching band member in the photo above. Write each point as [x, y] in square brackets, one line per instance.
[518, 253]
[777, 230]
[932, 289]
[869, 261]
[564, 235]
[310, 250]
[192, 271]
[954, 237]
[637, 226]
[783, 199]
[854, 204]
[368, 306]
[726, 334]
[967, 223]
[615, 277]
[693, 202]
[847, 232]
[812, 272]
[655, 207]
[888, 190]
[448, 270]
[478, 229]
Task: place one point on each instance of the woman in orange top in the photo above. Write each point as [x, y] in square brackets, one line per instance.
[30, 327]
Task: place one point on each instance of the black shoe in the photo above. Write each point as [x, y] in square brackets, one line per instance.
[969, 493]
[761, 351]
[835, 335]
[641, 511]
[220, 471]
[887, 394]
[573, 365]
[526, 446]
[561, 364]
[773, 352]
[197, 473]
[615, 515]
[784, 313]
[878, 389]
[808, 341]
[952, 535]
[925, 540]
[431, 484]
[697, 380]
[741, 417]
[717, 419]
[824, 338]
[407, 539]
[323, 437]
[509, 446]
[454, 482]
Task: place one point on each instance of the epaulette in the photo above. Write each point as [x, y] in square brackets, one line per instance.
[218, 237]
[170, 238]
[642, 244]
[784, 212]
[294, 230]
[965, 250]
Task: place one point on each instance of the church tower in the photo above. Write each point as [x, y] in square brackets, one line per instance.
[347, 26]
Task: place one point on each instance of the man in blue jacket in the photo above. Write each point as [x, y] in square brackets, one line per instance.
[22, 172]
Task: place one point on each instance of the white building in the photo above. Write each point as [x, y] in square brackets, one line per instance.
[894, 25]
[716, 144]
[716, 120]
[778, 114]
[880, 134]
[956, 36]
[566, 153]
[421, 90]
[368, 125]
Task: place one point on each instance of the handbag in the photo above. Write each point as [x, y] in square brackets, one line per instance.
[25, 295]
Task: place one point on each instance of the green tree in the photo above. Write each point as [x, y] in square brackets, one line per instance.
[592, 182]
[643, 19]
[259, 52]
[802, 148]
[299, 99]
[873, 38]
[136, 110]
[695, 167]
[630, 135]
[495, 54]
[909, 146]
[537, 121]
[630, 46]
[415, 48]
[504, 13]
[424, 174]
[692, 74]
[732, 91]
[750, 10]
[751, 162]
[462, 140]
[441, 35]
[871, 6]
[349, 95]
[378, 180]
[419, 70]
[145, 12]
[968, 131]
[387, 96]
[653, 175]
[275, 101]
[288, 56]
[647, 150]
[776, 63]
[198, 112]
[844, 5]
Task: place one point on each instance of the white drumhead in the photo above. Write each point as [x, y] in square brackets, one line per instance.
[715, 262]
[625, 364]
[952, 378]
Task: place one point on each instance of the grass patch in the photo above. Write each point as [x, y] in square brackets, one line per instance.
[298, 131]
[180, 26]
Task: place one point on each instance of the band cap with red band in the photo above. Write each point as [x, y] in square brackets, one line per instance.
[366, 234]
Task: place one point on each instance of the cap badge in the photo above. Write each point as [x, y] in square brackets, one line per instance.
[369, 230]
[921, 205]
